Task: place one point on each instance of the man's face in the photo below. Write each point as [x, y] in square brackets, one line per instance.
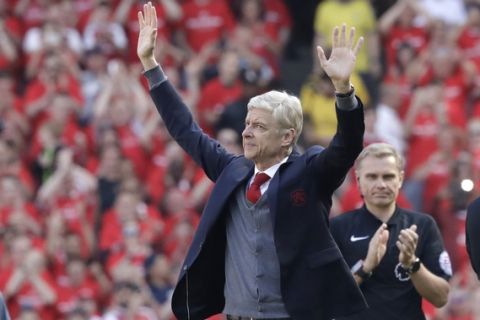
[379, 180]
[262, 139]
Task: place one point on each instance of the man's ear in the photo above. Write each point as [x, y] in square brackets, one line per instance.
[401, 177]
[288, 137]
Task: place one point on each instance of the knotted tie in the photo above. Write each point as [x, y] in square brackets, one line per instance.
[253, 192]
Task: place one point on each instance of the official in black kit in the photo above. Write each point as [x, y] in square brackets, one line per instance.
[397, 256]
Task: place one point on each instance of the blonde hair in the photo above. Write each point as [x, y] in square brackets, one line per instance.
[380, 150]
[285, 108]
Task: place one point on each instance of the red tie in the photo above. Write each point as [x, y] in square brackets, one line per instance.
[253, 192]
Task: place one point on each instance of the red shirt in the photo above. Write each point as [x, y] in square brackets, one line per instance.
[28, 296]
[422, 142]
[416, 37]
[36, 89]
[207, 23]
[215, 97]
[69, 295]
[133, 149]
[469, 42]
[111, 233]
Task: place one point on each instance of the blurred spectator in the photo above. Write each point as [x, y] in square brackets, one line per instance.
[259, 43]
[469, 36]
[14, 125]
[54, 34]
[129, 302]
[130, 218]
[69, 196]
[79, 284]
[399, 27]
[423, 123]
[220, 91]
[33, 12]
[16, 211]
[10, 38]
[160, 280]
[92, 79]
[449, 207]
[455, 76]
[27, 284]
[109, 175]
[204, 23]
[56, 77]
[11, 164]
[388, 125]
[101, 30]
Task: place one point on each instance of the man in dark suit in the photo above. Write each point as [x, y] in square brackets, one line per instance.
[263, 249]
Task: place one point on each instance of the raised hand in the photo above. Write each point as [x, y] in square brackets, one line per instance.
[147, 36]
[376, 248]
[341, 62]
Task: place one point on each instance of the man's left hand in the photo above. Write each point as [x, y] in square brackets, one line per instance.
[407, 244]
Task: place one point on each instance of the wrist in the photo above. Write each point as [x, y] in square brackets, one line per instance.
[409, 263]
[343, 87]
[148, 63]
[360, 271]
[413, 267]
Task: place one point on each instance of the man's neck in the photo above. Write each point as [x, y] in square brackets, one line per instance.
[381, 213]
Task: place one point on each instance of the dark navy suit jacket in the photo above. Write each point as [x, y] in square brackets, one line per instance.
[316, 283]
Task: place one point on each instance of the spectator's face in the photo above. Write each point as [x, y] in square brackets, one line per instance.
[251, 10]
[262, 138]
[229, 67]
[379, 180]
[76, 271]
[10, 190]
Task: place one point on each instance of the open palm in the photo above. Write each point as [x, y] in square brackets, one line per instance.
[341, 62]
[148, 31]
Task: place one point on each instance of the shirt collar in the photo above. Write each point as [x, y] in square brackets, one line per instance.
[394, 219]
[273, 169]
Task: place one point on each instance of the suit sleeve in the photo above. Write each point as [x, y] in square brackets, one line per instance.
[332, 164]
[205, 151]
[472, 232]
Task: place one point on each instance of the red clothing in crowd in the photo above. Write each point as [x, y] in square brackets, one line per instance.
[415, 37]
[133, 150]
[469, 42]
[215, 97]
[422, 141]
[111, 233]
[69, 295]
[37, 89]
[28, 296]
[204, 24]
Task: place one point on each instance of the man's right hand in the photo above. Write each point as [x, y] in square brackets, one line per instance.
[376, 248]
[147, 36]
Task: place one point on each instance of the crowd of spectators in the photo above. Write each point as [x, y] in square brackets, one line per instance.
[98, 205]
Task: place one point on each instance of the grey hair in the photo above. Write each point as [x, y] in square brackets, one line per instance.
[285, 108]
[380, 150]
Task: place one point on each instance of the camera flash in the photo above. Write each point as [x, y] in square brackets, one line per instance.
[467, 185]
